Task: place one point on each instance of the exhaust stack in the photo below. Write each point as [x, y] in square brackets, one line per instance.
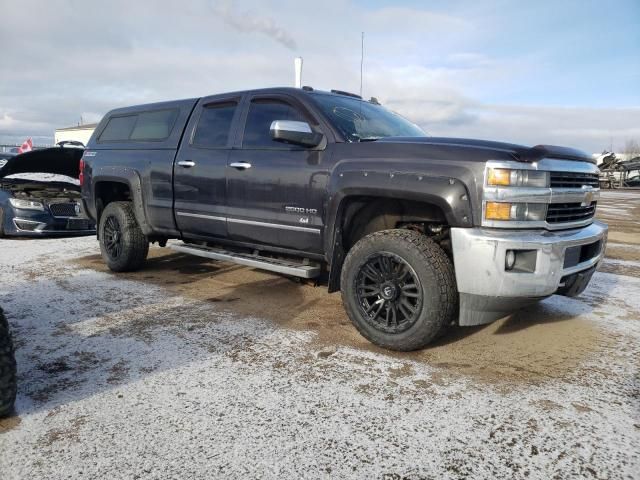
[297, 62]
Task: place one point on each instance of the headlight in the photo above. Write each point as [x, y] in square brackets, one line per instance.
[515, 211]
[26, 204]
[505, 177]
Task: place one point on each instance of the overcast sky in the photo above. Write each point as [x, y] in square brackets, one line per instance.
[556, 72]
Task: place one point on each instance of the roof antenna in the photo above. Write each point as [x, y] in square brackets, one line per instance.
[297, 62]
[361, 61]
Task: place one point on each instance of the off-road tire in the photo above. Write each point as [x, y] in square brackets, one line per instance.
[8, 384]
[431, 267]
[134, 245]
[2, 235]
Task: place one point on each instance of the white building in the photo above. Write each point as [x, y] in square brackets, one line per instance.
[79, 133]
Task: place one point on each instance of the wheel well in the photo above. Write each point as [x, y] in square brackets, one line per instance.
[365, 215]
[107, 192]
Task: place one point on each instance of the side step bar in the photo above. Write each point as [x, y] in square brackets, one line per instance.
[287, 267]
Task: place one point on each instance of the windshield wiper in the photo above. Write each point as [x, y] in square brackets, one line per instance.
[368, 139]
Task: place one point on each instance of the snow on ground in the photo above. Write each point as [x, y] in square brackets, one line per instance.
[123, 377]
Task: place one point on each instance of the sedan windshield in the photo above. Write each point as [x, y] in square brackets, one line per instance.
[361, 121]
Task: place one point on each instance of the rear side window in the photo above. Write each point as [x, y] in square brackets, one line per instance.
[140, 126]
[261, 114]
[214, 125]
[154, 125]
[118, 128]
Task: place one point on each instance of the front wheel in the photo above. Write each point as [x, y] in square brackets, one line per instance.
[399, 290]
[123, 246]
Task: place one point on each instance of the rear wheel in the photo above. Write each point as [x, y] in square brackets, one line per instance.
[398, 288]
[123, 246]
[8, 384]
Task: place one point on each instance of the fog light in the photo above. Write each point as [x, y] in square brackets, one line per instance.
[510, 259]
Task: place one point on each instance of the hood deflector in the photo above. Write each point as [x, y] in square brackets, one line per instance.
[518, 152]
[56, 160]
[539, 152]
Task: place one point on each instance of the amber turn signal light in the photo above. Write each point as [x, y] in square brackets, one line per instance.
[497, 211]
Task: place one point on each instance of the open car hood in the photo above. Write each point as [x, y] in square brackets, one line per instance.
[56, 160]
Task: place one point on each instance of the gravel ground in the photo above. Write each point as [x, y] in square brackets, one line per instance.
[197, 369]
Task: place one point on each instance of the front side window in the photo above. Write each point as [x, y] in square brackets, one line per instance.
[361, 121]
[261, 114]
[214, 125]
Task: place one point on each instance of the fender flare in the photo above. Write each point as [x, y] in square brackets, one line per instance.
[131, 178]
[448, 194]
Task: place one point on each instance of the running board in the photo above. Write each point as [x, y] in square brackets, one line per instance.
[304, 270]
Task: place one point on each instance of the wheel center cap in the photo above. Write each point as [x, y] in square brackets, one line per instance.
[388, 291]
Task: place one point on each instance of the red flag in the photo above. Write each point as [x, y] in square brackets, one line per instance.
[27, 146]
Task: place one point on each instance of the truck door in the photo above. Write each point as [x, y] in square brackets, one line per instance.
[275, 191]
[200, 169]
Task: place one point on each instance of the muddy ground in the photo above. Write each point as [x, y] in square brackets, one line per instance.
[194, 368]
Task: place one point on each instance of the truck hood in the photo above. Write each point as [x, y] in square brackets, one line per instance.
[55, 160]
[519, 152]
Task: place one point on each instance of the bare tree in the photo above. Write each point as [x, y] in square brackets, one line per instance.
[631, 149]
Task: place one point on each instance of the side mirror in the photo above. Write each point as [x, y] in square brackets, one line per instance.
[298, 133]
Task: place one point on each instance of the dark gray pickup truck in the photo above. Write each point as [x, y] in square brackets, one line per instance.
[418, 233]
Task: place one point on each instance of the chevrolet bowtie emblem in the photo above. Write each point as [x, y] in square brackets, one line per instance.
[588, 197]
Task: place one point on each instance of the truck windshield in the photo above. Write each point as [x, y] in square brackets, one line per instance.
[361, 121]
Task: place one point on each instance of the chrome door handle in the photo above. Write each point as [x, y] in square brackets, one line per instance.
[187, 163]
[240, 165]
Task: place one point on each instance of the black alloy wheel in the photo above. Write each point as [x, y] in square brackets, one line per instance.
[399, 289]
[389, 293]
[112, 237]
[123, 245]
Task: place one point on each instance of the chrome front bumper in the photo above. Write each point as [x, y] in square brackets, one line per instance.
[489, 291]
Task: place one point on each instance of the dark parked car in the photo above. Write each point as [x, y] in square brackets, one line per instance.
[40, 194]
[7, 368]
[4, 157]
[417, 232]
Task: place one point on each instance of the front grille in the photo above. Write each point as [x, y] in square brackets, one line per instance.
[63, 209]
[574, 179]
[569, 212]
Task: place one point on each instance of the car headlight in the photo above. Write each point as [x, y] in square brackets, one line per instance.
[26, 204]
[504, 177]
[515, 211]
